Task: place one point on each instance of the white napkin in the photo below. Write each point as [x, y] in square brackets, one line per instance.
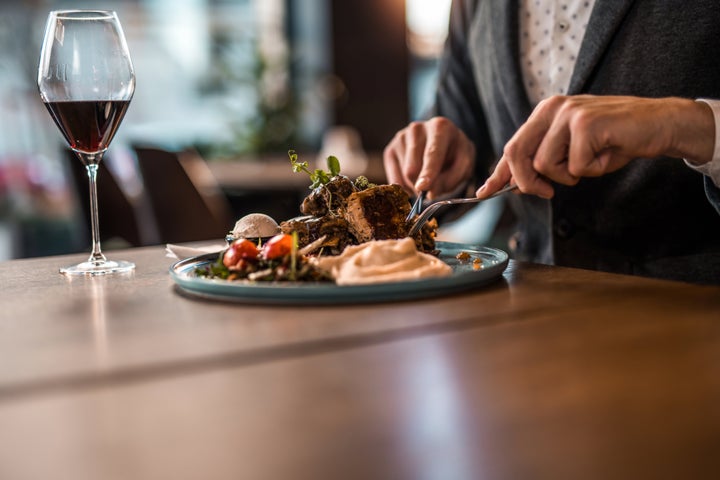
[183, 251]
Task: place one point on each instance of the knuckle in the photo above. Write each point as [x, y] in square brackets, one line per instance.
[547, 103]
[440, 124]
[575, 170]
[540, 166]
[580, 120]
[414, 128]
[510, 151]
[415, 135]
[552, 105]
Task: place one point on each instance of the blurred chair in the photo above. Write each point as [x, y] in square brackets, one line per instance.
[125, 218]
[187, 202]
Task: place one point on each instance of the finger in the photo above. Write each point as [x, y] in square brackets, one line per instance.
[412, 162]
[527, 139]
[551, 158]
[531, 182]
[522, 147]
[440, 132]
[393, 170]
[525, 176]
[583, 159]
[500, 177]
[460, 164]
[606, 161]
[551, 153]
[592, 154]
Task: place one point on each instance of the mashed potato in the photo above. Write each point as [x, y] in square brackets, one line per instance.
[382, 261]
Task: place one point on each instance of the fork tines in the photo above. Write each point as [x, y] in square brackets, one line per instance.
[417, 206]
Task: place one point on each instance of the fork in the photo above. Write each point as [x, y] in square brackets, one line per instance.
[431, 209]
[417, 206]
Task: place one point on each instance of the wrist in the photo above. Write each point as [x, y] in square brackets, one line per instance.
[694, 132]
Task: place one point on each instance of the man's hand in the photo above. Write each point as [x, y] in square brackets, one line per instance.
[433, 156]
[566, 138]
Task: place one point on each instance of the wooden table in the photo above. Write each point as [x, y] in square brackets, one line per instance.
[548, 373]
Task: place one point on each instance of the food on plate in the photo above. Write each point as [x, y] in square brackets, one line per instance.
[378, 213]
[463, 255]
[255, 225]
[351, 213]
[329, 196]
[239, 251]
[352, 232]
[333, 228]
[275, 260]
[382, 261]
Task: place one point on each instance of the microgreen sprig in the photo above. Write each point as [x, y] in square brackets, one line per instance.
[319, 176]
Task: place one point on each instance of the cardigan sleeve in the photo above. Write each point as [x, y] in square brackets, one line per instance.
[457, 96]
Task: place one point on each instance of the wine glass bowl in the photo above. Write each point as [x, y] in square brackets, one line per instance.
[86, 81]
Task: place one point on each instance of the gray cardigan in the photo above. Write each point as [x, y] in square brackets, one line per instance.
[654, 217]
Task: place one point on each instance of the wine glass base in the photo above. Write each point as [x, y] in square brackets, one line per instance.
[107, 267]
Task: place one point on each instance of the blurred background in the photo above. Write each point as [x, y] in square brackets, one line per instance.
[224, 89]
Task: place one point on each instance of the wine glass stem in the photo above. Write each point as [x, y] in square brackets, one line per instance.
[91, 164]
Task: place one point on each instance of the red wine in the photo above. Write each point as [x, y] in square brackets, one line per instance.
[88, 126]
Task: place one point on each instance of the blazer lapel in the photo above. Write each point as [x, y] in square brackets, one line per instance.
[502, 20]
[604, 22]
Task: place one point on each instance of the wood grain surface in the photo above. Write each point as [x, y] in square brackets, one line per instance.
[548, 373]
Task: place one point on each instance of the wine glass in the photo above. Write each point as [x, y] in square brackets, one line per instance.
[86, 81]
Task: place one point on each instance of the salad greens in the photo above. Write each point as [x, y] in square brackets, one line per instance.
[319, 176]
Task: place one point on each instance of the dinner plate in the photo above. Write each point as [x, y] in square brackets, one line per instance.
[465, 275]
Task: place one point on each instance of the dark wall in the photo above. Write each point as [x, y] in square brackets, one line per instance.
[370, 59]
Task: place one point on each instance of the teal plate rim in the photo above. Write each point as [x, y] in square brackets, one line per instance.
[464, 277]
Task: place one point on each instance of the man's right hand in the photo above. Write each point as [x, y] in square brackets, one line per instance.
[433, 156]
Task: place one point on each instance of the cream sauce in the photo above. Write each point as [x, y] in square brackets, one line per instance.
[383, 261]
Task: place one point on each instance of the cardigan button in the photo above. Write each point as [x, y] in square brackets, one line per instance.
[564, 228]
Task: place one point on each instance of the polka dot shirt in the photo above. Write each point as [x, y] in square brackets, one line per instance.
[551, 32]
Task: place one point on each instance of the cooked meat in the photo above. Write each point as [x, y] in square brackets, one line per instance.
[309, 228]
[346, 216]
[329, 197]
[378, 213]
[425, 238]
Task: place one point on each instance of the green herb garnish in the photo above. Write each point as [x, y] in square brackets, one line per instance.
[318, 177]
[334, 165]
[362, 183]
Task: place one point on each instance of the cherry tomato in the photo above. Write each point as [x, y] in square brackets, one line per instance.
[239, 250]
[278, 246]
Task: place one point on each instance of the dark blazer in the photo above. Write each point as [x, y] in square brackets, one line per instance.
[651, 218]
